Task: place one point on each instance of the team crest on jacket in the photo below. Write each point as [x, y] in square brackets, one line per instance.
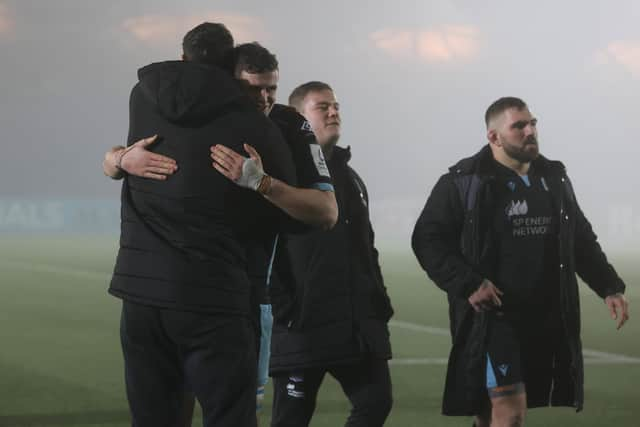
[306, 126]
[504, 368]
[517, 208]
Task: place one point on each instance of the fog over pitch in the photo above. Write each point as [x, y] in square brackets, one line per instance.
[413, 79]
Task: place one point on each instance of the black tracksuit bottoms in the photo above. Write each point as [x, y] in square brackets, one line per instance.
[366, 383]
[167, 351]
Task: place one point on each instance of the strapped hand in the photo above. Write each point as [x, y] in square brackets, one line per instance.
[247, 172]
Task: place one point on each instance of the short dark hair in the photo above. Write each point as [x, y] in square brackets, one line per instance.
[254, 58]
[300, 93]
[208, 43]
[502, 105]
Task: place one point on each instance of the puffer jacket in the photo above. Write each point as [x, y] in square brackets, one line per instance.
[184, 241]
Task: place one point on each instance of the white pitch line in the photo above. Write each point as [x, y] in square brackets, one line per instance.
[611, 357]
[592, 357]
[442, 361]
[48, 268]
[419, 361]
[421, 328]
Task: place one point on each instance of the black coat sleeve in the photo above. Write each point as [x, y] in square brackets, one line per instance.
[375, 255]
[388, 308]
[436, 241]
[311, 167]
[374, 251]
[280, 164]
[134, 99]
[590, 260]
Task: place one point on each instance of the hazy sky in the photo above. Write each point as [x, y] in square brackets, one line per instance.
[413, 77]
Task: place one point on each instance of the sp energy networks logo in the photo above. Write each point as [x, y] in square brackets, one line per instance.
[517, 208]
[523, 224]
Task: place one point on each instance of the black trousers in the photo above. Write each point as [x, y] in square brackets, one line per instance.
[366, 383]
[166, 351]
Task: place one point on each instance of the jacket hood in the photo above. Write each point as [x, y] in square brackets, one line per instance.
[483, 163]
[184, 91]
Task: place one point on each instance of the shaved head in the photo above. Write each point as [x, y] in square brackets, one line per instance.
[495, 112]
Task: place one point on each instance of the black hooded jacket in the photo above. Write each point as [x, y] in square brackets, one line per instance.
[329, 301]
[183, 241]
[452, 241]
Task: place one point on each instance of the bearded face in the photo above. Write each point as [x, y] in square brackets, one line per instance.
[517, 135]
[524, 151]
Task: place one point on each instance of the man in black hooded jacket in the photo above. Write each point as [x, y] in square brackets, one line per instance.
[312, 202]
[502, 233]
[330, 305]
[181, 269]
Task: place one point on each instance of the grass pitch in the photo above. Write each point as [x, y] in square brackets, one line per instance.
[61, 365]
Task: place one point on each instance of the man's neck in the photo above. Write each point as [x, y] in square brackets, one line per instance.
[513, 164]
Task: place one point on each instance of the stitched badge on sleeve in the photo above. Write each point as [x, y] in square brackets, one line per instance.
[318, 159]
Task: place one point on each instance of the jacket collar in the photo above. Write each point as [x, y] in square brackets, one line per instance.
[482, 163]
[341, 155]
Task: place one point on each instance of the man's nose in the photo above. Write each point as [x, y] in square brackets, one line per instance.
[333, 111]
[264, 94]
[529, 130]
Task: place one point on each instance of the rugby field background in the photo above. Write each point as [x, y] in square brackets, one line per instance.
[60, 360]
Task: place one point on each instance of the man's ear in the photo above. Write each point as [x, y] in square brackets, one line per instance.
[492, 137]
